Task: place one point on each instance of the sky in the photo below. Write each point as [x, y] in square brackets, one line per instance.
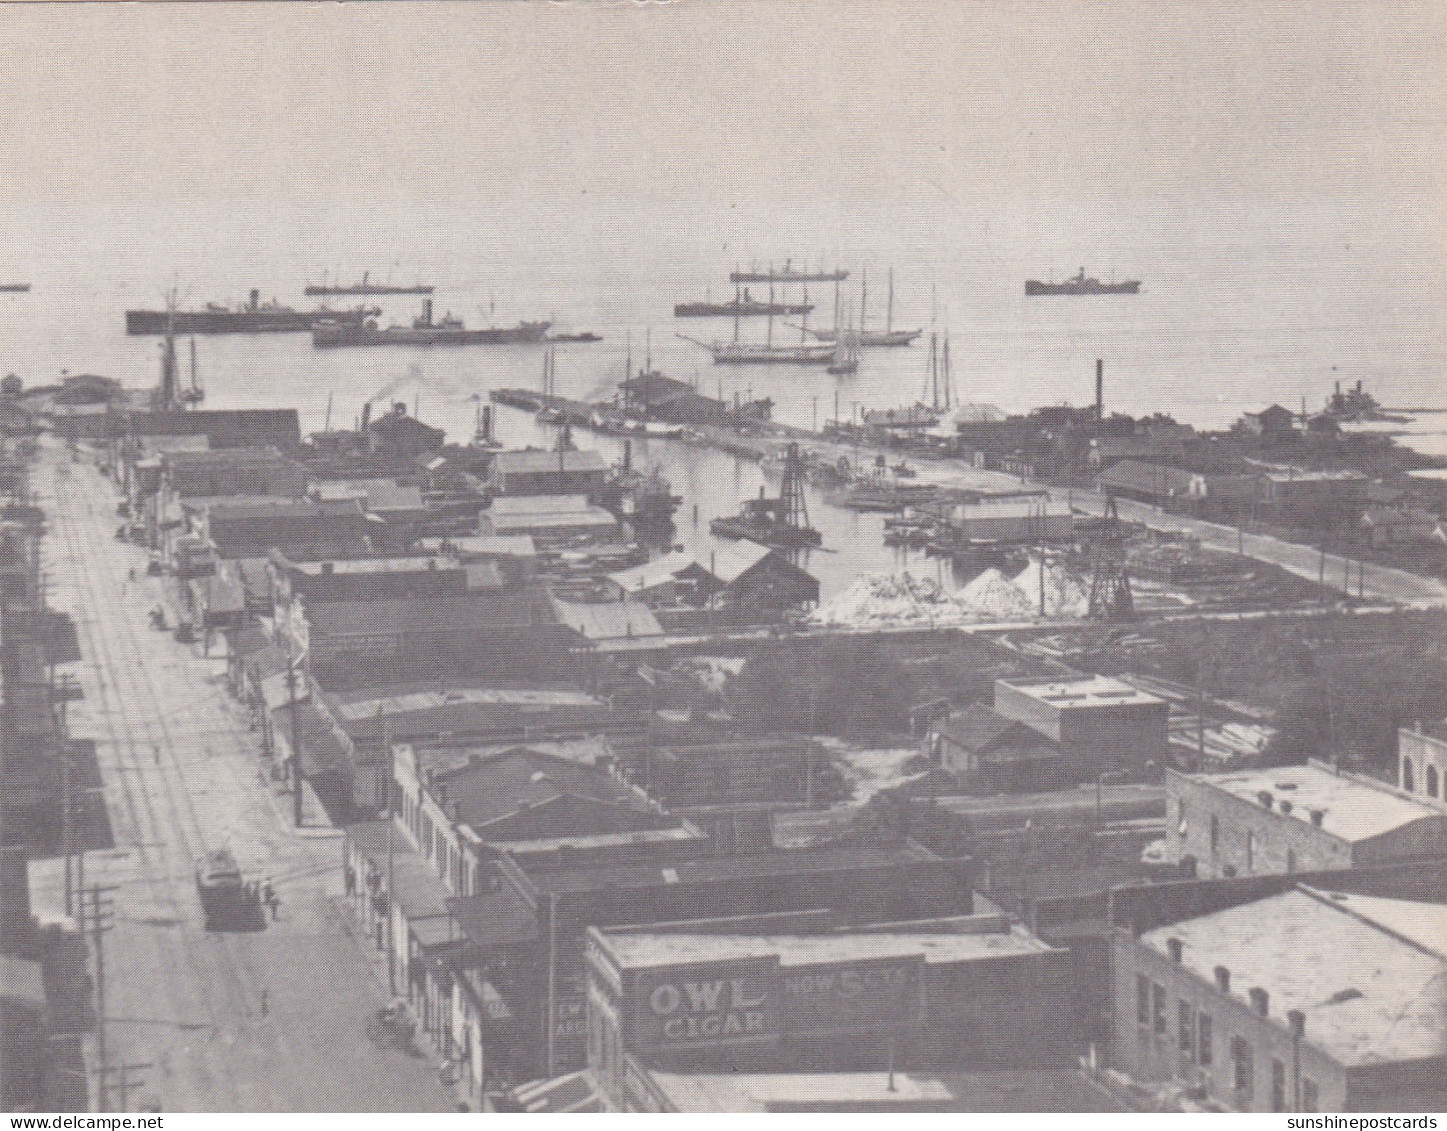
[625, 126]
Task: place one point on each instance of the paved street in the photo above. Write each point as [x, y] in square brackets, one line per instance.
[1379, 583]
[272, 1020]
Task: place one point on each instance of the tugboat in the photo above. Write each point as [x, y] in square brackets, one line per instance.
[645, 502]
[780, 524]
[1081, 285]
[1358, 406]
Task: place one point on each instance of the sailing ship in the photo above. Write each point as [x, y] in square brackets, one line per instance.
[756, 274]
[737, 352]
[365, 287]
[889, 336]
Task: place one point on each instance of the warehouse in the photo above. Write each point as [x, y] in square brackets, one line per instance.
[1108, 724]
[1303, 1001]
[1295, 819]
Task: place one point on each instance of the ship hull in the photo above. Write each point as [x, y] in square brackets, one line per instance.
[874, 337]
[763, 355]
[14, 288]
[315, 290]
[774, 535]
[329, 336]
[1089, 287]
[741, 310]
[259, 321]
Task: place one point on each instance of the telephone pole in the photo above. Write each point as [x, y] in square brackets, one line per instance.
[296, 775]
[98, 919]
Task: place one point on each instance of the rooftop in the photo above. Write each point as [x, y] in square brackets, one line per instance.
[541, 462]
[645, 949]
[979, 727]
[1032, 1090]
[1094, 691]
[721, 869]
[1352, 808]
[1031, 508]
[660, 571]
[370, 704]
[373, 565]
[610, 620]
[1383, 1005]
[501, 545]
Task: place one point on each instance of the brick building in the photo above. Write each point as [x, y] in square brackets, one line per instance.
[1422, 761]
[1303, 1001]
[966, 993]
[1295, 819]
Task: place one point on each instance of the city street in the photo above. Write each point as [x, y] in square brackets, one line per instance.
[269, 1020]
[1378, 583]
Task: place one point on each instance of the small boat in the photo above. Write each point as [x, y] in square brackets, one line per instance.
[14, 288]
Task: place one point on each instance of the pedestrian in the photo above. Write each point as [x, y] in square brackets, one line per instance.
[263, 1003]
[133, 573]
[156, 750]
[275, 901]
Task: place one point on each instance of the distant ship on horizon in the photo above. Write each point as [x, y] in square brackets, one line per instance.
[366, 287]
[1081, 285]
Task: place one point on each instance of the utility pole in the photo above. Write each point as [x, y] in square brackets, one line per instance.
[295, 739]
[65, 834]
[97, 919]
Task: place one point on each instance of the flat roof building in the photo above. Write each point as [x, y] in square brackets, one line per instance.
[1303, 1001]
[1295, 819]
[1105, 722]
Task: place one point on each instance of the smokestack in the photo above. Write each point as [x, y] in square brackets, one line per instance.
[427, 312]
[1223, 979]
[627, 455]
[1099, 389]
[366, 415]
[255, 298]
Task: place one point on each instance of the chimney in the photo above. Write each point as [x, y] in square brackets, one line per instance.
[255, 298]
[1175, 948]
[1260, 1001]
[1264, 796]
[1223, 979]
[366, 415]
[1316, 817]
[427, 312]
[1297, 1020]
[1099, 389]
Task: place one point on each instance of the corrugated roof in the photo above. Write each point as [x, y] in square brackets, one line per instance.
[1369, 998]
[611, 620]
[476, 610]
[540, 462]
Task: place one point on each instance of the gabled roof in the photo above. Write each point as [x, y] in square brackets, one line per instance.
[609, 620]
[489, 610]
[661, 571]
[523, 794]
[979, 728]
[1155, 478]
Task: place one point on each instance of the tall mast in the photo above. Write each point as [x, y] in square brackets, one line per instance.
[945, 365]
[889, 318]
[770, 332]
[863, 298]
[804, 322]
[737, 299]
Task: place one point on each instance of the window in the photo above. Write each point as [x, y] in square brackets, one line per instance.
[1142, 1000]
[1215, 833]
[1203, 1039]
[1431, 781]
[1250, 851]
[1158, 1009]
[1409, 778]
[1186, 1027]
[1309, 1098]
[1278, 1085]
[1243, 1069]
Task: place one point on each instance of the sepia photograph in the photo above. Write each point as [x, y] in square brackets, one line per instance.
[723, 556]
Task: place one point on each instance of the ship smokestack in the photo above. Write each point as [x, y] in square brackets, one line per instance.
[255, 298]
[627, 455]
[427, 312]
[1099, 389]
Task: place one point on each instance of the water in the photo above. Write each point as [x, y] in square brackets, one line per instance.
[1216, 331]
